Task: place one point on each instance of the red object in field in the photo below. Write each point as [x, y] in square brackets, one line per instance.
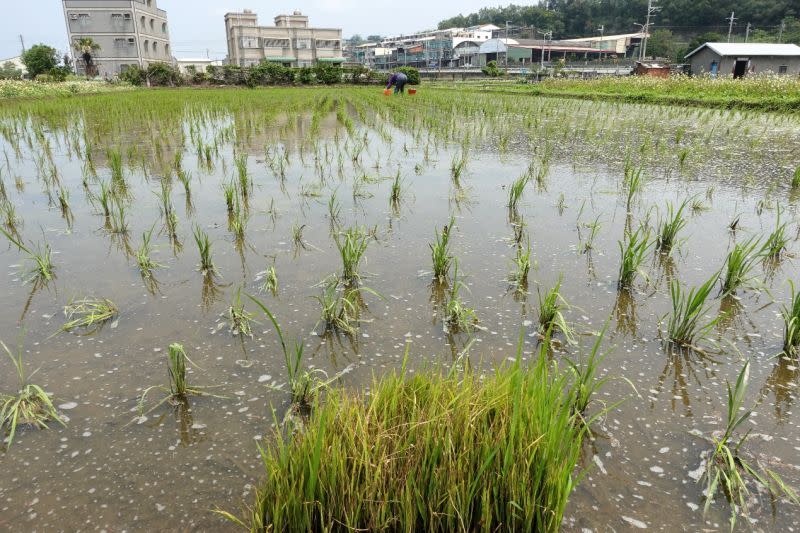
[387, 92]
[412, 91]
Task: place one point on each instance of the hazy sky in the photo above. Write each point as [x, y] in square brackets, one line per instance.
[197, 25]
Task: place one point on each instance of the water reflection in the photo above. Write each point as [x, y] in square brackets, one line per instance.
[783, 382]
[685, 370]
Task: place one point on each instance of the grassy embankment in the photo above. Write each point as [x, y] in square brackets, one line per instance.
[766, 93]
[35, 89]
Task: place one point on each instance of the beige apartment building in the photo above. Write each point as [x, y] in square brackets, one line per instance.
[291, 42]
[129, 32]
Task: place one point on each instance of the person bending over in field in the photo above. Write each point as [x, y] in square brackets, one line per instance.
[399, 81]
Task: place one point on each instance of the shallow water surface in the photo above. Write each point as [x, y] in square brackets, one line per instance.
[111, 469]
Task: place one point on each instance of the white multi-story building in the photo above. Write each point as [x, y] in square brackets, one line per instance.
[129, 32]
[291, 41]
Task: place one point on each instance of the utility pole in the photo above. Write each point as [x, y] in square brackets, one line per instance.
[507, 46]
[22, 42]
[747, 32]
[652, 9]
[732, 19]
[602, 30]
[780, 32]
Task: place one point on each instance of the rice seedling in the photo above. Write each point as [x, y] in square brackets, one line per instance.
[561, 205]
[242, 173]
[185, 177]
[117, 170]
[796, 178]
[239, 319]
[340, 309]
[334, 209]
[697, 206]
[118, 222]
[669, 227]
[39, 255]
[734, 224]
[179, 388]
[229, 190]
[777, 241]
[106, 199]
[522, 266]
[689, 322]
[396, 194]
[352, 244]
[297, 236]
[633, 251]
[304, 384]
[633, 183]
[726, 469]
[30, 406]
[458, 165]
[204, 248]
[440, 253]
[269, 281]
[594, 229]
[88, 314]
[10, 218]
[551, 315]
[510, 434]
[791, 322]
[458, 317]
[143, 259]
[515, 191]
[238, 222]
[738, 265]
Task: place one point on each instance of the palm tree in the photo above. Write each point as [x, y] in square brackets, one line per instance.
[86, 47]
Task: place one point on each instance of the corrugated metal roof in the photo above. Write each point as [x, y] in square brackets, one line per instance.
[750, 49]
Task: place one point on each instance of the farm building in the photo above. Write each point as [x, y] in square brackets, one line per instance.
[743, 59]
[526, 52]
[653, 70]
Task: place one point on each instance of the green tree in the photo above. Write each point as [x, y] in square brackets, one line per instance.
[86, 47]
[662, 43]
[40, 59]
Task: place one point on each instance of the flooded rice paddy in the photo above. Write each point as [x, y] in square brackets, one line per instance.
[285, 153]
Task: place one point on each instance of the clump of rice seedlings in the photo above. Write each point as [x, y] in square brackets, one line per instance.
[698, 206]
[63, 199]
[304, 383]
[297, 236]
[440, 253]
[669, 227]
[229, 190]
[791, 322]
[633, 182]
[204, 248]
[396, 195]
[10, 218]
[727, 470]
[458, 317]
[238, 317]
[458, 165]
[185, 178]
[39, 255]
[734, 224]
[515, 191]
[106, 199]
[632, 251]
[179, 389]
[688, 323]
[30, 406]
[242, 173]
[238, 222]
[522, 266]
[510, 434]
[334, 209]
[796, 179]
[143, 259]
[777, 242]
[269, 281]
[340, 309]
[89, 314]
[551, 315]
[351, 244]
[561, 205]
[118, 220]
[738, 266]
[594, 228]
[117, 170]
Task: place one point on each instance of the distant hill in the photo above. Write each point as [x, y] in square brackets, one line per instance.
[578, 18]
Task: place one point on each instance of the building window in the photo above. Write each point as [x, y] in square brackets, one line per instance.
[119, 43]
[84, 19]
[146, 45]
[250, 42]
[163, 27]
[152, 24]
[303, 44]
[142, 22]
[276, 43]
[166, 50]
[783, 69]
[126, 16]
[149, 3]
[131, 41]
[155, 48]
[328, 44]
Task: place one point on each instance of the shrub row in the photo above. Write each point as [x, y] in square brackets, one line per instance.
[265, 73]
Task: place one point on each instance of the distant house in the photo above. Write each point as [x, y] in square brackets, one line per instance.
[17, 62]
[653, 70]
[624, 45]
[743, 59]
[188, 66]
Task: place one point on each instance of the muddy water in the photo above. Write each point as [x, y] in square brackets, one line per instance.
[111, 470]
